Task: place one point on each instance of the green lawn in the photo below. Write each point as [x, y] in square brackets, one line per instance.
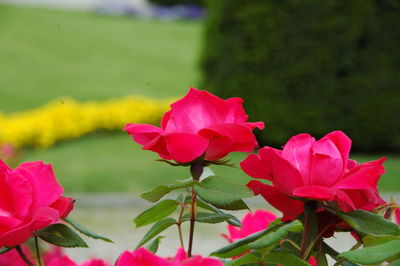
[46, 54]
[50, 53]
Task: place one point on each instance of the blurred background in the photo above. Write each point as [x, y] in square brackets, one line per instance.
[73, 72]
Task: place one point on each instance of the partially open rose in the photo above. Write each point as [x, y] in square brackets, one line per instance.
[199, 124]
[315, 170]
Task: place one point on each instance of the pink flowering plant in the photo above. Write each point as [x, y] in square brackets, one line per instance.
[314, 184]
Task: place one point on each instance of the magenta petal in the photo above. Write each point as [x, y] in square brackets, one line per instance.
[143, 133]
[43, 181]
[45, 216]
[8, 222]
[363, 176]
[141, 257]
[298, 152]
[64, 205]
[257, 221]
[285, 176]
[345, 202]
[397, 215]
[184, 147]
[16, 236]
[343, 144]
[158, 145]
[290, 208]
[327, 165]
[94, 262]
[218, 148]
[21, 192]
[235, 132]
[315, 192]
[207, 109]
[255, 167]
[180, 255]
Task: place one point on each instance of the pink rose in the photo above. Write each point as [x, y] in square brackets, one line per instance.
[251, 223]
[181, 259]
[30, 199]
[316, 170]
[56, 257]
[143, 257]
[200, 124]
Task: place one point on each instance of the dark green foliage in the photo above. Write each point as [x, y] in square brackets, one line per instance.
[309, 66]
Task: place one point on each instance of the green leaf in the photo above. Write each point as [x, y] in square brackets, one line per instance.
[153, 246]
[5, 249]
[233, 221]
[369, 240]
[157, 212]
[370, 223]
[240, 246]
[373, 254]
[62, 236]
[210, 218]
[159, 191]
[249, 258]
[86, 231]
[155, 230]
[223, 192]
[334, 254]
[284, 259]
[275, 236]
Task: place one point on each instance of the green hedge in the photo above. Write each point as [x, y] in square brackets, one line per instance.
[309, 66]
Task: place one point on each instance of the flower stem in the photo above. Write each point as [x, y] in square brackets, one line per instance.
[38, 257]
[23, 256]
[179, 224]
[196, 169]
[309, 214]
[192, 221]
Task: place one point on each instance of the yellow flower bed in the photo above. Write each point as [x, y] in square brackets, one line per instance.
[67, 119]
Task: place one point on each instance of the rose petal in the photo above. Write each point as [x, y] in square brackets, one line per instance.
[327, 165]
[208, 109]
[64, 205]
[285, 176]
[290, 208]
[45, 216]
[255, 167]
[363, 176]
[343, 144]
[21, 193]
[184, 147]
[298, 152]
[141, 257]
[315, 192]
[45, 186]
[143, 133]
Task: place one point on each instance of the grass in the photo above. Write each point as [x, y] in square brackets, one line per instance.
[46, 54]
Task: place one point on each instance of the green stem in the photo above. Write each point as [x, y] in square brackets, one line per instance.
[196, 169]
[38, 256]
[192, 221]
[23, 256]
[309, 211]
[317, 238]
[179, 224]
